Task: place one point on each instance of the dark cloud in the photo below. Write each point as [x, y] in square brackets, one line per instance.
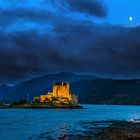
[11, 16]
[71, 44]
[107, 49]
[113, 50]
[23, 54]
[90, 7]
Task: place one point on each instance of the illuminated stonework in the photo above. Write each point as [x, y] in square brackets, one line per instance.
[61, 89]
[60, 94]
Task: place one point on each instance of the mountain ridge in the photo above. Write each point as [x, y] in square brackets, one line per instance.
[90, 89]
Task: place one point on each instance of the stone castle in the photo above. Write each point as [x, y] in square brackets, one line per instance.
[61, 93]
[61, 89]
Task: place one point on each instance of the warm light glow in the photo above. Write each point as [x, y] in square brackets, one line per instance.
[60, 94]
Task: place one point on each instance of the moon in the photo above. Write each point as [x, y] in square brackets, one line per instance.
[130, 18]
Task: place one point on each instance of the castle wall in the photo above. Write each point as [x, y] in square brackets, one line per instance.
[61, 90]
[43, 98]
[55, 90]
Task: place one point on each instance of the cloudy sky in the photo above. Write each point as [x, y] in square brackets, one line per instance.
[85, 36]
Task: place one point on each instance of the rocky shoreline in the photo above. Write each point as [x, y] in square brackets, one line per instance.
[120, 130]
[111, 130]
[100, 130]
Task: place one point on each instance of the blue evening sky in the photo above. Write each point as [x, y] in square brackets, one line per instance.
[119, 12]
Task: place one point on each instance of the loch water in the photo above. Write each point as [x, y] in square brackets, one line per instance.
[44, 124]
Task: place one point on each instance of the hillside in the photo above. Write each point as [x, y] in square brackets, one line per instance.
[43, 84]
[89, 89]
[5, 90]
[106, 91]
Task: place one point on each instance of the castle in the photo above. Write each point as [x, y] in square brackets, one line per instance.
[60, 94]
[61, 89]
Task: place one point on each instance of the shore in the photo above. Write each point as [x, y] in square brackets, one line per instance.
[103, 130]
[112, 130]
[44, 106]
[120, 130]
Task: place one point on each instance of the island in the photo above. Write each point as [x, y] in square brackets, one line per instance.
[60, 97]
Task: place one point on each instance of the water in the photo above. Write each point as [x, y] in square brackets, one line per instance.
[35, 124]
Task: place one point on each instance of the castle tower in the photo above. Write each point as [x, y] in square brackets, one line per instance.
[55, 89]
[61, 89]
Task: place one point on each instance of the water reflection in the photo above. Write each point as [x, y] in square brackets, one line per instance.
[65, 132]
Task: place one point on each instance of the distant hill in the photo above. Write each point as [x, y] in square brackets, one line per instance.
[41, 85]
[106, 91]
[89, 89]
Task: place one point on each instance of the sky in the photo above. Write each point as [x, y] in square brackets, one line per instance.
[83, 36]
